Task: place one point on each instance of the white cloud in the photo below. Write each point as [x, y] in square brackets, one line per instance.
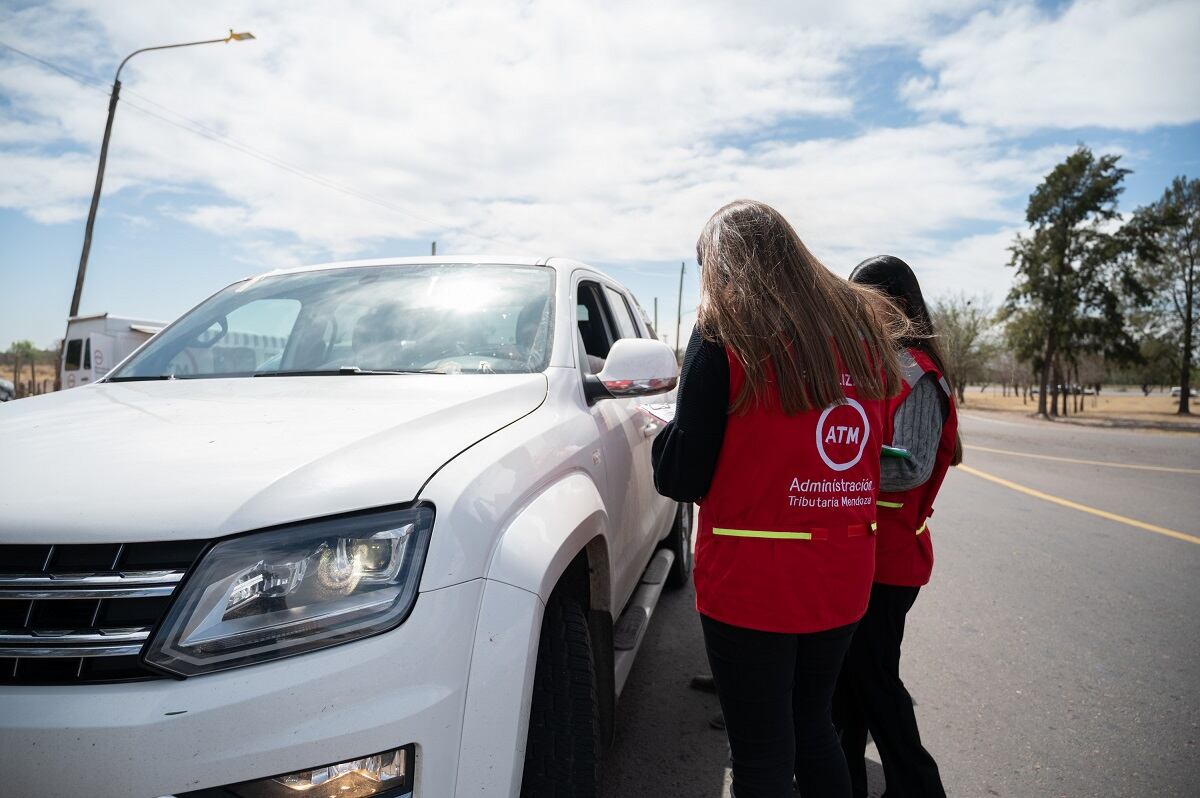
[1124, 64]
[975, 265]
[556, 126]
[45, 187]
[608, 132]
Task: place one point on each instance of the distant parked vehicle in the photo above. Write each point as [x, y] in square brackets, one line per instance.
[1077, 390]
[8, 391]
[1176, 392]
[95, 344]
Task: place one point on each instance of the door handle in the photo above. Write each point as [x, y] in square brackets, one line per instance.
[649, 430]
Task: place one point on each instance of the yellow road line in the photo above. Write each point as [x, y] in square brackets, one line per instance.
[1083, 508]
[1170, 469]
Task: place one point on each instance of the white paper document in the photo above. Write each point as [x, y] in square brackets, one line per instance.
[663, 411]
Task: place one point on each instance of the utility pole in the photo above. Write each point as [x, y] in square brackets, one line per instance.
[112, 110]
[433, 249]
[679, 312]
[656, 315]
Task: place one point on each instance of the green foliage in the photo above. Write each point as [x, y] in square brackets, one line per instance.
[1158, 362]
[1073, 273]
[963, 324]
[22, 352]
[22, 349]
[1167, 235]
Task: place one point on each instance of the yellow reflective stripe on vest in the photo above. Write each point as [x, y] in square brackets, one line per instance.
[922, 529]
[751, 533]
[892, 505]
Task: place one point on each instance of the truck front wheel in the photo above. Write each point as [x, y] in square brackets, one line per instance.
[562, 756]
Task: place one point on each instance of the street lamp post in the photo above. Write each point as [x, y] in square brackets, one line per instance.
[112, 110]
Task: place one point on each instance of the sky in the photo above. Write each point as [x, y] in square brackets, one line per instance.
[604, 132]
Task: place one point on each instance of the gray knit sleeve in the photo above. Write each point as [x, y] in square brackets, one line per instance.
[917, 428]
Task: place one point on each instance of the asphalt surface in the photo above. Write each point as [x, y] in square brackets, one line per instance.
[1055, 653]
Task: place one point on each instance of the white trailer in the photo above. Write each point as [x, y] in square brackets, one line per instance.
[94, 344]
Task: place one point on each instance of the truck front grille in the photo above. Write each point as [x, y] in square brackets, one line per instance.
[82, 612]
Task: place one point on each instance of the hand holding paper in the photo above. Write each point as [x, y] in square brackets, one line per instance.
[662, 411]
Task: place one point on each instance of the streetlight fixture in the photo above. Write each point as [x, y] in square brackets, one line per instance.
[112, 109]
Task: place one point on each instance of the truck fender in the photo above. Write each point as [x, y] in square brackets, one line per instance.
[537, 547]
[544, 537]
[491, 757]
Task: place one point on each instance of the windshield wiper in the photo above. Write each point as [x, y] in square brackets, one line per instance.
[351, 371]
[142, 378]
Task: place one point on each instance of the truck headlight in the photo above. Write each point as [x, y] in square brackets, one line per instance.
[296, 588]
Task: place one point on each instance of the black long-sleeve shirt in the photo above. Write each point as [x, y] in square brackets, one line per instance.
[685, 453]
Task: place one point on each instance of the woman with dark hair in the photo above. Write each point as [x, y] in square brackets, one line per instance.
[870, 694]
[781, 417]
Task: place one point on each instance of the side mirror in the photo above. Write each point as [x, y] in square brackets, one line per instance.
[637, 367]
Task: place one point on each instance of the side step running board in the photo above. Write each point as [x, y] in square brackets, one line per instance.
[630, 628]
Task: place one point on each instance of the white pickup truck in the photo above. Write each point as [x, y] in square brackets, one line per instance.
[382, 528]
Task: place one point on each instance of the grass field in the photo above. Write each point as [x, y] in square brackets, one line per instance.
[1113, 406]
[44, 372]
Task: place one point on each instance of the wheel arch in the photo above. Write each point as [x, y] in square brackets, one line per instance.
[557, 545]
[564, 523]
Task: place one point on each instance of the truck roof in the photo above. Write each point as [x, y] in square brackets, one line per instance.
[132, 321]
[555, 262]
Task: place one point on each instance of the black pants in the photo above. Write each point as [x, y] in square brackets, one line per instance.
[871, 697]
[776, 692]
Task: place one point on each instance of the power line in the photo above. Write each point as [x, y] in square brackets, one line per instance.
[200, 129]
[76, 76]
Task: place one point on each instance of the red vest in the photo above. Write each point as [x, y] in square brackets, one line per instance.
[785, 537]
[903, 548]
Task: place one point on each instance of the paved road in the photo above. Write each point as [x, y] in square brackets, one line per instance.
[1055, 653]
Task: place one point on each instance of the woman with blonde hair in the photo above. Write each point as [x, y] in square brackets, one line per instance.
[778, 431]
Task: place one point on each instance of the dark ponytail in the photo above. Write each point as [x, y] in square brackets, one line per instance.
[893, 277]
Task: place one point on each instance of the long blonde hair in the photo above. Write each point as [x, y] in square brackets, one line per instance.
[787, 318]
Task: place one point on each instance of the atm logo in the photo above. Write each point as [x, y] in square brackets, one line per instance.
[842, 433]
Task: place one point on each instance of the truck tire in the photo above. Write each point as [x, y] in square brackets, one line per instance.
[562, 756]
[679, 542]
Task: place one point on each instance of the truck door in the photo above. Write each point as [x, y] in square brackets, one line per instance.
[72, 362]
[104, 354]
[623, 443]
[85, 372]
[654, 511]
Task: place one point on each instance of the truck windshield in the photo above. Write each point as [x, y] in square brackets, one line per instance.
[443, 319]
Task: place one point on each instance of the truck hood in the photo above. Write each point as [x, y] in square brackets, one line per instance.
[184, 459]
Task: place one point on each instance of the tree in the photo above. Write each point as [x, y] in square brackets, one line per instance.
[1169, 230]
[22, 350]
[1070, 266]
[1157, 366]
[962, 324]
[1005, 367]
[1023, 334]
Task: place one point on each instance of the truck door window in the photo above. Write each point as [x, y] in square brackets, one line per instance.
[645, 318]
[73, 356]
[626, 326]
[595, 327]
[87, 353]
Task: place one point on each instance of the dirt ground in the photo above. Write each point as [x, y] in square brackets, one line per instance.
[44, 373]
[1115, 406]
